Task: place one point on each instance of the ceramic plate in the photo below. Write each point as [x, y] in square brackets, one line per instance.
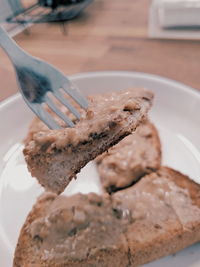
[176, 113]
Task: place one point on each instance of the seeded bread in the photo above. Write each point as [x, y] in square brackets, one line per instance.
[155, 217]
[55, 156]
[133, 157]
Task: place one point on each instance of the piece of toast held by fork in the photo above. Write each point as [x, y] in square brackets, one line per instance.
[54, 157]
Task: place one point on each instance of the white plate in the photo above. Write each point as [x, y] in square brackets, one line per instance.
[176, 113]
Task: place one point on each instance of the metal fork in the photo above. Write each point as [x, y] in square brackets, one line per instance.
[36, 79]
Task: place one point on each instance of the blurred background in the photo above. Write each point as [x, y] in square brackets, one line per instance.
[160, 37]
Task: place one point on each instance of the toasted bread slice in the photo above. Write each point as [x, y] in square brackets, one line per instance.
[133, 157]
[55, 156]
[81, 230]
[157, 216]
[165, 213]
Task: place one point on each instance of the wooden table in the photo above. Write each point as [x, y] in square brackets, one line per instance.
[109, 35]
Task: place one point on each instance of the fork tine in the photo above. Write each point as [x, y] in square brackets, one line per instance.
[55, 109]
[66, 103]
[45, 116]
[73, 92]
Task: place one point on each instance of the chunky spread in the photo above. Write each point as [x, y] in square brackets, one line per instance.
[101, 114]
[135, 225]
[54, 157]
[132, 158]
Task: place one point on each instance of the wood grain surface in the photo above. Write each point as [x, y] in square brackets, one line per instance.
[109, 35]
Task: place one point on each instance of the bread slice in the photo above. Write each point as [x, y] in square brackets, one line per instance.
[133, 157]
[55, 156]
[157, 216]
[165, 211]
[77, 231]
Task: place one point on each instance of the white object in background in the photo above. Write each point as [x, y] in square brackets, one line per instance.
[176, 19]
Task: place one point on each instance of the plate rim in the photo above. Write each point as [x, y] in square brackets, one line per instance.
[175, 84]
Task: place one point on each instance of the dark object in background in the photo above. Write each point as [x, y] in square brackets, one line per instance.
[55, 3]
[47, 11]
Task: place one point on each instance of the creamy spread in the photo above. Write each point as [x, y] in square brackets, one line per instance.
[74, 228]
[131, 158]
[104, 113]
[157, 199]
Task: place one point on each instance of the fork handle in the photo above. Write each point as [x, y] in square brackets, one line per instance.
[11, 48]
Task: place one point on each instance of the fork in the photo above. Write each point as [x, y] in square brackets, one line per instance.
[37, 80]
